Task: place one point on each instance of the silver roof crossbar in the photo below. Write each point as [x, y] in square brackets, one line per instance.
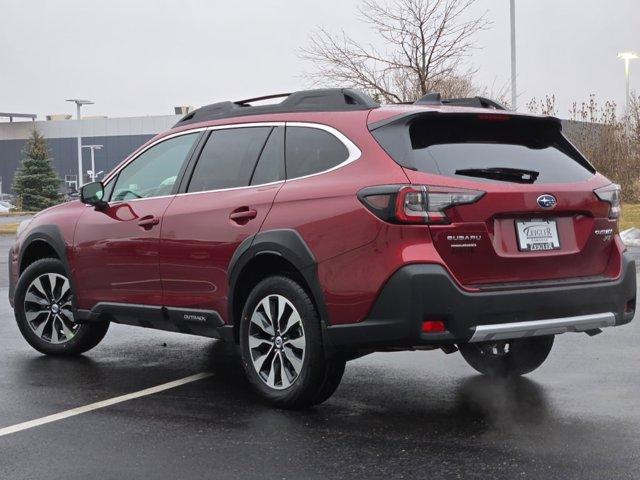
[535, 328]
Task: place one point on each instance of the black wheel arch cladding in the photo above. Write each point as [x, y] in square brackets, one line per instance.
[288, 244]
[50, 235]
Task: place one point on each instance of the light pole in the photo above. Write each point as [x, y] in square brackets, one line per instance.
[627, 57]
[513, 54]
[93, 148]
[79, 104]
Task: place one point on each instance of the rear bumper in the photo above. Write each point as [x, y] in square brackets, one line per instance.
[425, 291]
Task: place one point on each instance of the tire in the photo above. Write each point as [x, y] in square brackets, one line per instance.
[333, 376]
[524, 355]
[43, 311]
[281, 346]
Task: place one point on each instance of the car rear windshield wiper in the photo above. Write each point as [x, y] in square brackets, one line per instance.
[516, 175]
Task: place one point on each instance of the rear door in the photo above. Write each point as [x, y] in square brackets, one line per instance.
[226, 198]
[539, 216]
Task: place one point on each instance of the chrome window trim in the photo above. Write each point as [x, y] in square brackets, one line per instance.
[354, 154]
[136, 155]
[225, 189]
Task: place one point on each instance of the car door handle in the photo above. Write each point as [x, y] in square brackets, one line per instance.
[243, 214]
[149, 221]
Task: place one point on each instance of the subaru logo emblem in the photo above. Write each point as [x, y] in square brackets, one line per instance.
[547, 201]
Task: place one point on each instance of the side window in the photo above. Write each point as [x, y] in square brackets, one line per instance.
[154, 172]
[311, 150]
[270, 166]
[228, 158]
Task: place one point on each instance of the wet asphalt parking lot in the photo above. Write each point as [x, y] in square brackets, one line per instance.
[395, 415]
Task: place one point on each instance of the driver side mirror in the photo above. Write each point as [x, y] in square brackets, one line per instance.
[92, 194]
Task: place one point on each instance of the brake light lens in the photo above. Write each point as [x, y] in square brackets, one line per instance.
[415, 204]
[610, 194]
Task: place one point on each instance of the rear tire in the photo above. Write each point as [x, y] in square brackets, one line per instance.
[522, 355]
[44, 313]
[281, 346]
[333, 376]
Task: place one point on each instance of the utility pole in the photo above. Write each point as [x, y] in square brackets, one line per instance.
[79, 104]
[514, 94]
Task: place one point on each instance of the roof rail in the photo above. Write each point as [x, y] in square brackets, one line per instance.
[327, 99]
[258, 99]
[477, 102]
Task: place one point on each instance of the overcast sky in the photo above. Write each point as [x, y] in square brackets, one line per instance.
[143, 57]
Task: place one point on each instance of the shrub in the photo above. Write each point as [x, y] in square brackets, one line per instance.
[610, 143]
[36, 183]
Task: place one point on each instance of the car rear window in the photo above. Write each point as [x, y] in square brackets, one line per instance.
[491, 148]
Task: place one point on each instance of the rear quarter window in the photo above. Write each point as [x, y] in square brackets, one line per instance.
[311, 150]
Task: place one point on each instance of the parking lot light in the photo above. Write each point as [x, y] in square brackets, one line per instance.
[93, 148]
[79, 104]
[627, 57]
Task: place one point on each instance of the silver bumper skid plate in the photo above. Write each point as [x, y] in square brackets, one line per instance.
[535, 328]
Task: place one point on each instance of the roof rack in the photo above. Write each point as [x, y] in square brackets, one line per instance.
[328, 99]
[477, 102]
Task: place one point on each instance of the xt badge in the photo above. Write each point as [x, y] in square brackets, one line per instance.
[605, 233]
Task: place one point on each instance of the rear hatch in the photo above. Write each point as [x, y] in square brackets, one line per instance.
[538, 219]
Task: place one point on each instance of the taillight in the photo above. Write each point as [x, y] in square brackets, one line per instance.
[610, 194]
[415, 203]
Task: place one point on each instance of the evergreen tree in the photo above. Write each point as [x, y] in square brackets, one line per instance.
[36, 183]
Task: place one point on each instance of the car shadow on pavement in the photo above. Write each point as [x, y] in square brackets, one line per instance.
[474, 403]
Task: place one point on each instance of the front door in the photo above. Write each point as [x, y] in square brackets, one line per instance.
[116, 250]
[227, 198]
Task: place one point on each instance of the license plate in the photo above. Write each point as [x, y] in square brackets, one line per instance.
[537, 234]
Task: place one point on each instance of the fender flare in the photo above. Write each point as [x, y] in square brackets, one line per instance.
[288, 244]
[49, 234]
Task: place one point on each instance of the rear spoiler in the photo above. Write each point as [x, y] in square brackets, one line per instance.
[475, 102]
[407, 117]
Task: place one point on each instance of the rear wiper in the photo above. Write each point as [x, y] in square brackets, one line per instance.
[506, 174]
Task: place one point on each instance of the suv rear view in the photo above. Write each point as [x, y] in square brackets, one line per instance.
[327, 227]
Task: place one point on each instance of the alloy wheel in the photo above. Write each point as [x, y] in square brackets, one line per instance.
[48, 310]
[276, 342]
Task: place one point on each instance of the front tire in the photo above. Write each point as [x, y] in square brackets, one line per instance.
[281, 346]
[507, 358]
[43, 307]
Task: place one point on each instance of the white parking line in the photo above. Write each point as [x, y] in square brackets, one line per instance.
[104, 403]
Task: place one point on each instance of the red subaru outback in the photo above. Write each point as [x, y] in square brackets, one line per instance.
[326, 227]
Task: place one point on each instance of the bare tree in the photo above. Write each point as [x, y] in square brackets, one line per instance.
[425, 44]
